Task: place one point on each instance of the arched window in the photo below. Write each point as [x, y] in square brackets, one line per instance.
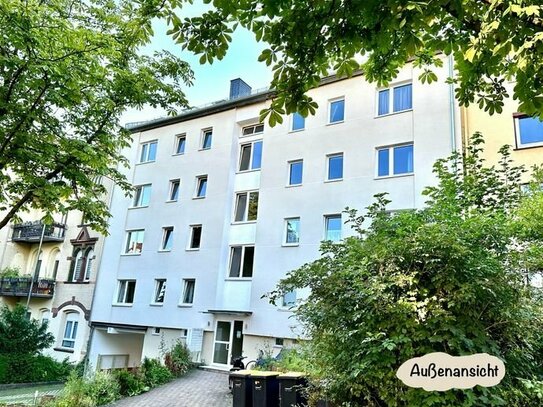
[90, 261]
[78, 264]
[70, 330]
[35, 266]
[52, 265]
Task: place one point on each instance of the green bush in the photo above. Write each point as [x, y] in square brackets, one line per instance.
[130, 383]
[25, 368]
[154, 373]
[178, 359]
[104, 388]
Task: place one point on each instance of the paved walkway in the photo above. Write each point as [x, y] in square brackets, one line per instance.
[197, 389]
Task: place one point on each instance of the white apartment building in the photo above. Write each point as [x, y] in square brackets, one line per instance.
[225, 206]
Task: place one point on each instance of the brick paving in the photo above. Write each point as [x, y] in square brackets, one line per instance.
[196, 389]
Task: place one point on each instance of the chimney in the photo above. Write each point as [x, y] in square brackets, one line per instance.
[238, 88]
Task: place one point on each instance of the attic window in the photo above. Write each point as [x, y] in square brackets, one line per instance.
[254, 129]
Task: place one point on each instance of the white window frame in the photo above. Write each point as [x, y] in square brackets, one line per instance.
[245, 218]
[258, 128]
[391, 99]
[241, 263]
[332, 215]
[90, 257]
[186, 282]
[291, 127]
[289, 171]
[170, 190]
[155, 331]
[165, 231]
[118, 291]
[191, 235]
[251, 157]
[78, 259]
[146, 159]
[330, 101]
[178, 137]
[200, 179]
[203, 138]
[391, 161]
[286, 305]
[127, 242]
[285, 231]
[517, 134]
[160, 287]
[138, 194]
[327, 175]
[71, 336]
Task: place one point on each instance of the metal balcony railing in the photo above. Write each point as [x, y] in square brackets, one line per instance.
[19, 286]
[30, 232]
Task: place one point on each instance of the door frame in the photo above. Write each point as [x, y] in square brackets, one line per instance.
[230, 340]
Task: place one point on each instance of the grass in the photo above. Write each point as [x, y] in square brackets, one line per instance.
[26, 395]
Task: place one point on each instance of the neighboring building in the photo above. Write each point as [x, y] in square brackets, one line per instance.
[225, 206]
[65, 270]
[523, 133]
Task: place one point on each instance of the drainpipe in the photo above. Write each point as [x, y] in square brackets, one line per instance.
[452, 126]
[36, 271]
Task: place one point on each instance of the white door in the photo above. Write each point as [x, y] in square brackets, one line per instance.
[223, 337]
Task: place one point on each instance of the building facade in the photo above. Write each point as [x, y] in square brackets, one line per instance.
[225, 206]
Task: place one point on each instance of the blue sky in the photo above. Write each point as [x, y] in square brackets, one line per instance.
[211, 82]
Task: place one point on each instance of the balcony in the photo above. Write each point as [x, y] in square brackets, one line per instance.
[19, 286]
[30, 232]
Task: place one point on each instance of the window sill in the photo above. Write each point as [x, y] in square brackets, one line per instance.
[204, 149]
[334, 123]
[409, 174]
[156, 304]
[528, 146]
[246, 171]
[293, 185]
[164, 250]
[174, 154]
[195, 249]
[138, 207]
[130, 254]
[198, 197]
[120, 304]
[171, 200]
[185, 305]
[65, 350]
[243, 222]
[333, 180]
[76, 282]
[285, 309]
[296, 131]
[145, 162]
[290, 244]
[393, 113]
[238, 279]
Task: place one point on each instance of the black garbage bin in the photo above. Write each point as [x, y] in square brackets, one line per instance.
[242, 388]
[265, 389]
[291, 389]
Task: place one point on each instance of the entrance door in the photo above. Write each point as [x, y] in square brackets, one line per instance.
[237, 339]
[221, 349]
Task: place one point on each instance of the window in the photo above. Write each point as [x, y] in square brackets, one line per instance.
[395, 160]
[402, 99]
[250, 156]
[335, 167]
[289, 299]
[188, 291]
[180, 142]
[337, 111]
[148, 152]
[241, 261]
[298, 122]
[142, 195]
[207, 135]
[45, 315]
[529, 131]
[279, 342]
[125, 293]
[195, 237]
[167, 238]
[160, 291]
[254, 129]
[134, 242]
[70, 330]
[295, 172]
[201, 186]
[174, 190]
[332, 228]
[78, 265]
[156, 331]
[90, 261]
[292, 231]
[246, 206]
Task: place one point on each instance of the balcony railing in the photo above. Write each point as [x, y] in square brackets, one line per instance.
[30, 232]
[19, 287]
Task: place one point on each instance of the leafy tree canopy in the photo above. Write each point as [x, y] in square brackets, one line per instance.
[21, 335]
[452, 277]
[491, 41]
[68, 70]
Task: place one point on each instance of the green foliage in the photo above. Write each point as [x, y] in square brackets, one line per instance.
[131, 383]
[21, 335]
[10, 272]
[27, 368]
[154, 373]
[101, 389]
[69, 70]
[451, 277]
[490, 42]
[178, 359]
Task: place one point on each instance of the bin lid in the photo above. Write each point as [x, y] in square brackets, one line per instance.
[241, 373]
[291, 375]
[257, 373]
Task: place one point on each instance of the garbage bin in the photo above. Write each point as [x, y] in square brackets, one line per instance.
[292, 386]
[242, 386]
[265, 389]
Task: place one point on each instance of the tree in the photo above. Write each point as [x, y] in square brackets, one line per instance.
[68, 70]
[491, 41]
[21, 335]
[451, 277]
